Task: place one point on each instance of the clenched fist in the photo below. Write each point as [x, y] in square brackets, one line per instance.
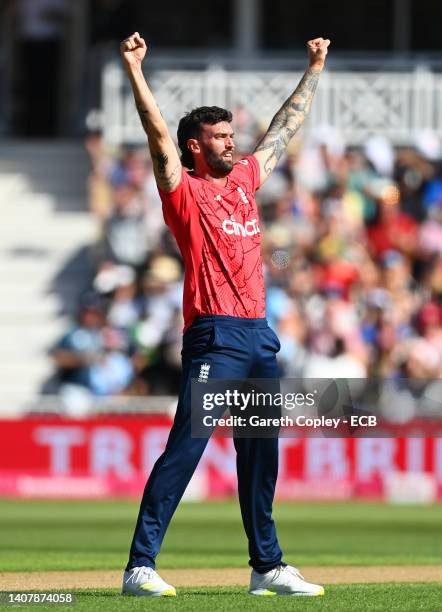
[317, 51]
[133, 49]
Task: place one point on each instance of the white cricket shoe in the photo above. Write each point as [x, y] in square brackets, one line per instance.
[283, 580]
[144, 581]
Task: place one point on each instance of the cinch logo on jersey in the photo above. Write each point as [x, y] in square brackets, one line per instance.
[230, 226]
[204, 372]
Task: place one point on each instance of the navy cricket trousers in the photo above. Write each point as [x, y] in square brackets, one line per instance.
[234, 348]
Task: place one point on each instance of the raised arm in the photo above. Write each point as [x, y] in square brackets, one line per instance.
[292, 113]
[165, 158]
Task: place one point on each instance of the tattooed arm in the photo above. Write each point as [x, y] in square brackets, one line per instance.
[165, 158]
[292, 113]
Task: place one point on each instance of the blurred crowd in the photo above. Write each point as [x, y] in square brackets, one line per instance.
[352, 247]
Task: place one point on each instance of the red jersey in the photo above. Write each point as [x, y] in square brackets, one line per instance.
[217, 231]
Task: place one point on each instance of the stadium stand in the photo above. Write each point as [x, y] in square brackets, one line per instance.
[43, 231]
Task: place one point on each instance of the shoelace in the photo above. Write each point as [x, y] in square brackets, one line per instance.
[289, 569]
[147, 571]
[294, 571]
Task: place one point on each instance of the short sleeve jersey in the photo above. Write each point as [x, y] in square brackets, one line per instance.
[218, 234]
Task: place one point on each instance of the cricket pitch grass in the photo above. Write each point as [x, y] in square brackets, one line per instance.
[368, 556]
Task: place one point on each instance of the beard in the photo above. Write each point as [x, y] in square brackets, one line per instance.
[220, 166]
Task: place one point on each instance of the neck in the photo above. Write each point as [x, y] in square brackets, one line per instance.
[208, 175]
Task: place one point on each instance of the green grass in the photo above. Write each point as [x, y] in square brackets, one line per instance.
[340, 598]
[48, 535]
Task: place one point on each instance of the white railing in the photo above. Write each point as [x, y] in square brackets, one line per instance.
[359, 104]
[83, 404]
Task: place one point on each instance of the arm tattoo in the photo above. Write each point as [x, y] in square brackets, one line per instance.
[166, 179]
[143, 113]
[167, 175]
[143, 116]
[160, 160]
[288, 120]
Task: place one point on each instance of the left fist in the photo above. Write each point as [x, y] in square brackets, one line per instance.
[317, 51]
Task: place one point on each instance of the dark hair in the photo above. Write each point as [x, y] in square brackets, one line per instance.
[190, 127]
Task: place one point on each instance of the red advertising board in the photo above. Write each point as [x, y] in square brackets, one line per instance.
[111, 456]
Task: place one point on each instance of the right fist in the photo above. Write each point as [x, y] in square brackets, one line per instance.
[133, 49]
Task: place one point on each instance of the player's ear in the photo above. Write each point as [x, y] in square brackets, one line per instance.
[193, 146]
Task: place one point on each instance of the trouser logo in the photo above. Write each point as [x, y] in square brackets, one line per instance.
[204, 372]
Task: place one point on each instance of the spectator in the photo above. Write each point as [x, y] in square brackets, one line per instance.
[91, 358]
[351, 253]
[125, 234]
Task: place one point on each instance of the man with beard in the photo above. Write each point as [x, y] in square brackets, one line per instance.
[209, 205]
